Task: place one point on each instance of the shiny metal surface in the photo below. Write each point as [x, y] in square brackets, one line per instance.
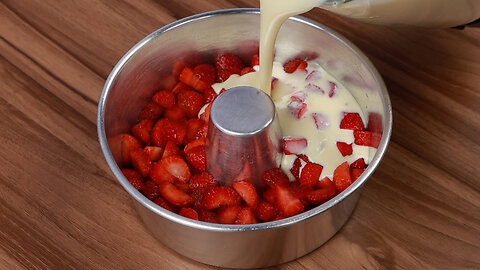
[243, 136]
[147, 66]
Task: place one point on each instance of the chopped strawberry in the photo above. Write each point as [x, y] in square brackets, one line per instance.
[134, 178]
[356, 173]
[180, 87]
[314, 76]
[201, 181]
[265, 211]
[193, 125]
[228, 214]
[171, 149]
[245, 216]
[304, 158]
[297, 108]
[129, 143]
[181, 186]
[175, 113]
[166, 129]
[367, 138]
[202, 132]
[207, 216]
[286, 202]
[322, 195]
[151, 111]
[292, 145]
[246, 70]
[342, 177]
[205, 116]
[269, 195]
[199, 77]
[345, 148]
[333, 89]
[209, 95]
[197, 157]
[141, 131]
[275, 177]
[310, 174]
[164, 98]
[141, 162]
[352, 121]
[189, 213]
[159, 174]
[228, 64]
[177, 167]
[375, 122]
[255, 60]
[321, 121]
[150, 190]
[195, 143]
[294, 64]
[190, 102]
[174, 195]
[299, 191]
[359, 164]
[247, 192]
[325, 183]
[221, 196]
[162, 203]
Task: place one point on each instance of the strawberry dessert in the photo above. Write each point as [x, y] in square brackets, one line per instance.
[326, 144]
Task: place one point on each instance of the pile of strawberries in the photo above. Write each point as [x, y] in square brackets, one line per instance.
[164, 156]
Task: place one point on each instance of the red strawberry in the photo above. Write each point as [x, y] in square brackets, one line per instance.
[245, 216]
[195, 143]
[269, 195]
[294, 64]
[275, 177]
[202, 132]
[190, 102]
[352, 121]
[159, 174]
[299, 191]
[228, 214]
[228, 64]
[333, 89]
[247, 192]
[265, 211]
[164, 98]
[180, 87]
[356, 173]
[175, 113]
[150, 190]
[325, 183]
[151, 111]
[134, 178]
[165, 130]
[319, 196]
[200, 78]
[342, 177]
[201, 181]
[367, 138]
[310, 174]
[295, 170]
[141, 131]
[246, 70]
[205, 116]
[162, 203]
[344, 148]
[375, 122]
[129, 143]
[292, 145]
[141, 162]
[181, 186]
[193, 125]
[207, 216]
[220, 196]
[359, 164]
[286, 202]
[297, 108]
[255, 60]
[177, 167]
[174, 195]
[209, 95]
[189, 213]
[171, 149]
[197, 157]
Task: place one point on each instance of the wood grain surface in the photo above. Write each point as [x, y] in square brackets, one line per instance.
[61, 207]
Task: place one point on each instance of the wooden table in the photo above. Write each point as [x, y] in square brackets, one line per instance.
[60, 206]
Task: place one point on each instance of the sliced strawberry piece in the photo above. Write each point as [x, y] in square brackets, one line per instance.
[228, 214]
[294, 64]
[205, 116]
[177, 167]
[299, 191]
[333, 89]
[151, 111]
[367, 138]
[141, 131]
[181, 186]
[202, 181]
[245, 216]
[342, 177]
[304, 158]
[255, 60]
[175, 113]
[325, 183]
[162, 203]
[228, 64]
[205, 76]
[171, 149]
[129, 143]
[246, 70]
[164, 98]
[209, 95]
[195, 143]
[189, 213]
[295, 170]
[223, 75]
[207, 216]
[286, 202]
[189, 77]
[375, 122]
[197, 157]
[202, 132]
[352, 121]
[314, 76]
[310, 174]
[356, 173]
[193, 125]
[319, 196]
[180, 87]
[166, 129]
[359, 164]
[247, 192]
[190, 102]
[134, 178]
[159, 174]
[265, 211]
[275, 177]
[141, 162]
[150, 190]
[174, 195]
[297, 108]
[220, 196]
[345, 148]
[321, 121]
[269, 195]
[292, 145]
